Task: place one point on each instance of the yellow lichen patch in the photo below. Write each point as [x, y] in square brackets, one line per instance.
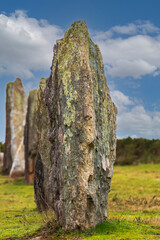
[67, 134]
[69, 116]
[42, 84]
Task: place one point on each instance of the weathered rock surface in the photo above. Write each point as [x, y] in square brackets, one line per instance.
[43, 166]
[31, 136]
[15, 120]
[7, 160]
[1, 159]
[82, 133]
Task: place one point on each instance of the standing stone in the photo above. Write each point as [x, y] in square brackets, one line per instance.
[31, 136]
[43, 166]
[15, 120]
[7, 160]
[82, 133]
[1, 159]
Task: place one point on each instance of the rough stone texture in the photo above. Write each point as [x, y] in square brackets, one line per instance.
[83, 131]
[1, 159]
[15, 120]
[31, 136]
[42, 169]
[7, 160]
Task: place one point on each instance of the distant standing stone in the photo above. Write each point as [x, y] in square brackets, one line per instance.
[82, 131]
[14, 163]
[43, 164]
[31, 136]
[1, 158]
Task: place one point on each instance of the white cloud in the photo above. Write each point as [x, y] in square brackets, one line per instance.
[28, 86]
[135, 55]
[136, 28]
[135, 68]
[139, 27]
[131, 50]
[26, 44]
[122, 101]
[134, 118]
[140, 121]
[127, 29]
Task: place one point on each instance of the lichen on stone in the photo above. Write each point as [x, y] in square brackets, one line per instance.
[15, 120]
[82, 131]
[42, 165]
[31, 136]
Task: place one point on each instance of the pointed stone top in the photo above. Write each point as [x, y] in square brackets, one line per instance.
[79, 24]
[42, 83]
[18, 82]
[78, 29]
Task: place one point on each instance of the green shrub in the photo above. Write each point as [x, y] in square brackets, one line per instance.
[137, 151]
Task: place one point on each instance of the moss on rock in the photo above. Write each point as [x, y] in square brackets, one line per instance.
[82, 131]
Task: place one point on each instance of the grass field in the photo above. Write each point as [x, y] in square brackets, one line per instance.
[133, 209]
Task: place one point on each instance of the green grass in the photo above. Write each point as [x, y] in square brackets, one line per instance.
[133, 208]
[18, 214]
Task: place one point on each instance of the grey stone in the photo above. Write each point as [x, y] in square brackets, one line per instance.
[31, 136]
[14, 163]
[82, 132]
[43, 166]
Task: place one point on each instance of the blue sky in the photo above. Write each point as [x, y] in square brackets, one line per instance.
[127, 32]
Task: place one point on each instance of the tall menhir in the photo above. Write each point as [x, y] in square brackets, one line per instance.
[13, 162]
[82, 133]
